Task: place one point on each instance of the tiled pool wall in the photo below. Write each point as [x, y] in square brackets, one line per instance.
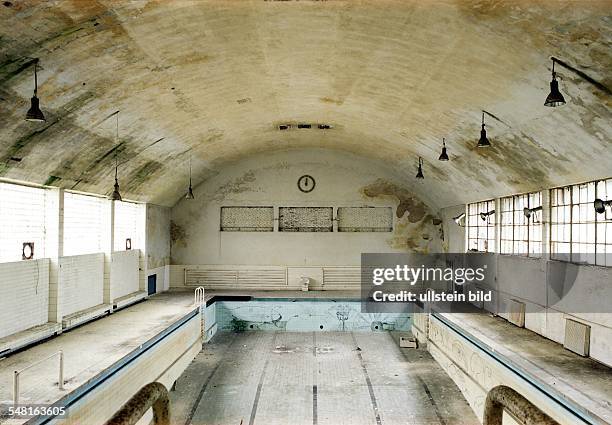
[297, 315]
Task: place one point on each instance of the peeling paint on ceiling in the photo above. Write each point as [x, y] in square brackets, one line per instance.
[393, 77]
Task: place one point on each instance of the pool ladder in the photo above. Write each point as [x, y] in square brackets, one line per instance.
[199, 299]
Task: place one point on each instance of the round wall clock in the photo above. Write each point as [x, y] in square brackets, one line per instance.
[306, 183]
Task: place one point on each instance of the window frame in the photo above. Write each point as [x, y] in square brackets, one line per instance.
[584, 226]
[474, 221]
[516, 230]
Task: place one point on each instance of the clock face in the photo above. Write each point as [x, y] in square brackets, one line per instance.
[306, 183]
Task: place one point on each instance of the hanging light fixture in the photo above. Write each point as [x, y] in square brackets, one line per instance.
[34, 114]
[483, 142]
[419, 174]
[554, 98]
[460, 220]
[189, 194]
[116, 196]
[600, 205]
[485, 215]
[528, 211]
[443, 156]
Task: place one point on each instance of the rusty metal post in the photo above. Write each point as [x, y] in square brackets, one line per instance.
[503, 398]
[153, 395]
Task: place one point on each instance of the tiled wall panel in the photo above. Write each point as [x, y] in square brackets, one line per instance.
[24, 295]
[81, 279]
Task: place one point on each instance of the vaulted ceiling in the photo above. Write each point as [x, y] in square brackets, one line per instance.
[215, 79]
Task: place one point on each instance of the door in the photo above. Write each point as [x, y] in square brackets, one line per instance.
[152, 284]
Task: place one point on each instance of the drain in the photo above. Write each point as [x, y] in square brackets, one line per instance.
[376, 326]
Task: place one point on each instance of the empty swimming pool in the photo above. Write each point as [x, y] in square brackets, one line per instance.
[288, 361]
[299, 315]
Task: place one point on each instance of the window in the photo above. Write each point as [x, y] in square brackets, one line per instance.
[577, 232]
[365, 219]
[247, 219]
[129, 224]
[520, 234]
[22, 220]
[305, 219]
[84, 224]
[481, 226]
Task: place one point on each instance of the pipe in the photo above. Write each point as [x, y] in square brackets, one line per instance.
[502, 398]
[153, 395]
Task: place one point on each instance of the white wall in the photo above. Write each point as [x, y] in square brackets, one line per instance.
[24, 295]
[538, 282]
[342, 179]
[157, 247]
[81, 280]
[124, 277]
[454, 235]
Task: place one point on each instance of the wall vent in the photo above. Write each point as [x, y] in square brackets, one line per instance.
[577, 337]
[219, 277]
[516, 313]
[304, 126]
[341, 277]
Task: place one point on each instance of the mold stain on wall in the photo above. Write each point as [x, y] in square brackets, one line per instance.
[178, 235]
[238, 185]
[415, 229]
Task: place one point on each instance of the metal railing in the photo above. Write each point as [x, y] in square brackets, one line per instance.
[18, 373]
[198, 296]
[199, 299]
[153, 395]
[502, 398]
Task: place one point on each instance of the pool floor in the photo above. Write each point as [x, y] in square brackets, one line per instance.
[330, 378]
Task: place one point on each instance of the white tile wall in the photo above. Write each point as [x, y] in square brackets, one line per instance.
[125, 276]
[24, 295]
[81, 279]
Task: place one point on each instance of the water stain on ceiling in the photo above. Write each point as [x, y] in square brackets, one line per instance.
[393, 77]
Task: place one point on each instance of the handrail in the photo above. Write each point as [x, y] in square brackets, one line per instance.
[502, 398]
[198, 296]
[17, 373]
[153, 395]
[199, 299]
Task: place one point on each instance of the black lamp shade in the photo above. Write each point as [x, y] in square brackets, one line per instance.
[189, 194]
[600, 205]
[34, 113]
[443, 156]
[483, 142]
[554, 98]
[419, 174]
[116, 196]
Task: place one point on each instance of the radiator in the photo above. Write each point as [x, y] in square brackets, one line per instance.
[341, 277]
[219, 278]
[516, 313]
[577, 337]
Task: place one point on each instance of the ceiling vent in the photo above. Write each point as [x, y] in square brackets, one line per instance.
[302, 126]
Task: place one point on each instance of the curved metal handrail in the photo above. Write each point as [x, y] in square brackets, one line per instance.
[153, 395]
[502, 398]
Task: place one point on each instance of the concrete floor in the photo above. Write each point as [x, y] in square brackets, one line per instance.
[89, 349]
[582, 380]
[316, 378]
